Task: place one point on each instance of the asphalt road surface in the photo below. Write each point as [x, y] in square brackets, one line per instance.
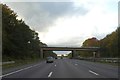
[65, 68]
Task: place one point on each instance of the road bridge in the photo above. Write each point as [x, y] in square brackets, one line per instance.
[73, 49]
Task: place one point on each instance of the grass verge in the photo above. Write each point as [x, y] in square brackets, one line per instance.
[20, 63]
[113, 64]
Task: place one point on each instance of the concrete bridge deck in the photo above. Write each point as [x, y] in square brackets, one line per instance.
[73, 49]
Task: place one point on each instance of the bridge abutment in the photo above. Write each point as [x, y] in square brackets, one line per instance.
[41, 53]
[73, 53]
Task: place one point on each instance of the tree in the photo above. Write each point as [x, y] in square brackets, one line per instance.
[69, 55]
[91, 42]
[19, 41]
[49, 53]
[109, 44]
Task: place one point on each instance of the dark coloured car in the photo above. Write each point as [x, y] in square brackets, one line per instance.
[49, 60]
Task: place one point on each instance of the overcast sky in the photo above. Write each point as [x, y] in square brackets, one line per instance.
[69, 23]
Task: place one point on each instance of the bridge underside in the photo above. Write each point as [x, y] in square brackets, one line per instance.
[73, 49]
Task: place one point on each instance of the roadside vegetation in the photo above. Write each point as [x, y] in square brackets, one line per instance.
[109, 47]
[19, 63]
[20, 43]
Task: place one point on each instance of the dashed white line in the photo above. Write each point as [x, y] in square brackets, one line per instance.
[55, 65]
[76, 64]
[18, 71]
[50, 74]
[93, 72]
[0, 77]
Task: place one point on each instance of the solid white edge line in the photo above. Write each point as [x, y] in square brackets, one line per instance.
[17, 71]
[93, 72]
[50, 74]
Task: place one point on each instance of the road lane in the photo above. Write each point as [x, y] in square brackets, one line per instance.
[40, 71]
[67, 68]
[106, 71]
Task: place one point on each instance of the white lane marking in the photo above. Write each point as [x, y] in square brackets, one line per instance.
[18, 70]
[76, 64]
[55, 65]
[93, 72]
[50, 74]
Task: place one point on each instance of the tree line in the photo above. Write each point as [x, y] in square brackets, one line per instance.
[18, 40]
[108, 45]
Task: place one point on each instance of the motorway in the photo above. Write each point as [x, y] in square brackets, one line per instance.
[65, 68]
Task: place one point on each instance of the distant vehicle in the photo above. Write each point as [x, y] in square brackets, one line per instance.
[49, 59]
[58, 58]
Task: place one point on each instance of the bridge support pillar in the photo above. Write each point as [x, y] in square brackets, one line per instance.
[73, 53]
[94, 56]
[41, 53]
[98, 54]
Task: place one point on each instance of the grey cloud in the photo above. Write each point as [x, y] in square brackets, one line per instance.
[41, 15]
[71, 42]
[57, 9]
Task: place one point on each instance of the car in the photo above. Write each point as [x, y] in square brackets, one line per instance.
[49, 59]
[61, 57]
